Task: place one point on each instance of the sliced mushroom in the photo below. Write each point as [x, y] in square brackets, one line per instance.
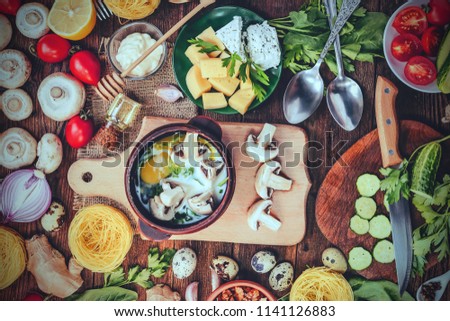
[202, 204]
[259, 213]
[15, 68]
[189, 152]
[31, 20]
[16, 104]
[171, 197]
[6, 34]
[211, 168]
[17, 148]
[61, 96]
[262, 148]
[268, 180]
[160, 211]
[50, 153]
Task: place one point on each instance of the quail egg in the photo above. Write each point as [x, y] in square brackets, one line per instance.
[54, 218]
[225, 267]
[334, 259]
[281, 276]
[184, 262]
[263, 261]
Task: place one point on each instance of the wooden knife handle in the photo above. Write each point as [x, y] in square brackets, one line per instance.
[388, 132]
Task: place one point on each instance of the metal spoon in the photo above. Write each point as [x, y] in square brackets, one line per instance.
[305, 90]
[344, 96]
[442, 279]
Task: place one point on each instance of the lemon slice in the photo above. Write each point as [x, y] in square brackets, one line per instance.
[72, 19]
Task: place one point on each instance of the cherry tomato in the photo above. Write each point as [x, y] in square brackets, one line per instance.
[10, 6]
[406, 46]
[52, 48]
[86, 67]
[411, 20]
[420, 71]
[33, 297]
[79, 131]
[431, 40]
[438, 12]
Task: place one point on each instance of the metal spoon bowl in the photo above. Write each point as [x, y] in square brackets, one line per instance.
[442, 279]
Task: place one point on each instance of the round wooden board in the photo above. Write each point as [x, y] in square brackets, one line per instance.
[337, 195]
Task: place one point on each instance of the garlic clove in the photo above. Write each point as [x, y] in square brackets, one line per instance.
[168, 93]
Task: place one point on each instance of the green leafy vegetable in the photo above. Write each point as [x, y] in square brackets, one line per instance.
[305, 32]
[159, 263]
[112, 293]
[205, 47]
[381, 290]
[396, 182]
[230, 62]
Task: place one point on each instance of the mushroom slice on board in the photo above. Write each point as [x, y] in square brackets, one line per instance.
[50, 153]
[6, 34]
[259, 213]
[15, 68]
[61, 96]
[268, 180]
[17, 148]
[202, 204]
[262, 148]
[31, 20]
[16, 104]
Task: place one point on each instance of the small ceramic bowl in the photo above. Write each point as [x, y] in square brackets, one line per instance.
[122, 33]
[242, 283]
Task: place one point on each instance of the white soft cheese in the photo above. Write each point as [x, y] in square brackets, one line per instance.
[231, 36]
[263, 46]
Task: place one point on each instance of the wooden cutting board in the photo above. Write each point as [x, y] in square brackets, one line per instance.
[289, 207]
[335, 201]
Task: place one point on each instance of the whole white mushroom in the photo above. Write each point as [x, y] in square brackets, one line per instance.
[31, 20]
[15, 68]
[6, 34]
[16, 104]
[17, 148]
[50, 153]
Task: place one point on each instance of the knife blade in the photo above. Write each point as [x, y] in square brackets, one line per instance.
[400, 215]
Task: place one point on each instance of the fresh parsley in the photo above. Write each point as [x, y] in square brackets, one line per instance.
[230, 63]
[205, 47]
[396, 182]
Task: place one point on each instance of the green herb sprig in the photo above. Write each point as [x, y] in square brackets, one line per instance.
[205, 46]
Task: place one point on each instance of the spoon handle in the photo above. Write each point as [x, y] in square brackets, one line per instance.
[330, 6]
[347, 8]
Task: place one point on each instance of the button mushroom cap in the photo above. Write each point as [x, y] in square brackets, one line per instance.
[259, 213]
[61, 96]
[50, 153]
[268, 180]
[31, 20]
[17, 148]
[15, 68]
[262, 148]
[6, 34]
[160, 211]
[16, 104]
[202, 204]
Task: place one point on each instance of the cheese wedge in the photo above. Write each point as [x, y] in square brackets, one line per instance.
[196, 84]
[209, 35]
[231, 36]
[214, 101]
[263, 45]
[194, 55]
[212, 68]
[242, 100]
[227, 85]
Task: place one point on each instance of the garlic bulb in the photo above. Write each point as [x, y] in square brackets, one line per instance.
[168, 93]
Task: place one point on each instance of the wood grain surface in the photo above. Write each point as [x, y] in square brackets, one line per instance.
[327, 143]
[288, 206]
[338, 191]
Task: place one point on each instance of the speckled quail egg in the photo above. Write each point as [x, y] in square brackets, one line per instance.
[263, 261]
[184, 263]
[334, 259]
[225, 267]
[281, 276]
[52, 220]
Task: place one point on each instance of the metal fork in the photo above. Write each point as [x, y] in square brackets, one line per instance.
[103, 12]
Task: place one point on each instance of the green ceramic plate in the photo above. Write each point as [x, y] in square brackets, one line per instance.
[216, 18]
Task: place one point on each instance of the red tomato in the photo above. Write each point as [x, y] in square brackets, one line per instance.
[406, 46]
[79, 131]
[438, 12]
[86, 67]
[33, 297]
[420, 71]
[52, 48]
[411, 20]
[431, 40]
[10, 6]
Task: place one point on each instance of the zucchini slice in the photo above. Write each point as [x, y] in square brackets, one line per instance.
[359, 258]
[380, 227]
[365, 207]
[359, 225]
[383, 252]
[368, 185]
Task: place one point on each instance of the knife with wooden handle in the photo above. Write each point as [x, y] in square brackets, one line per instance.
[388, 133]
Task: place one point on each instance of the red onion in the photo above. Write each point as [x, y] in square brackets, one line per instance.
[25, 196]
[191, 293]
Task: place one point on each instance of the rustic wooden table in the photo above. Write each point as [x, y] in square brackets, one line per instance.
[428, 108]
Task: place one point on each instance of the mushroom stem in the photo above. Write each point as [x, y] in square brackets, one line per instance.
[265, 137]
[270, 222]
[259, 213]
[279, 183]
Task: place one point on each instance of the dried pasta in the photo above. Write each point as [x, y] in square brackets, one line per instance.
[13, 256]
